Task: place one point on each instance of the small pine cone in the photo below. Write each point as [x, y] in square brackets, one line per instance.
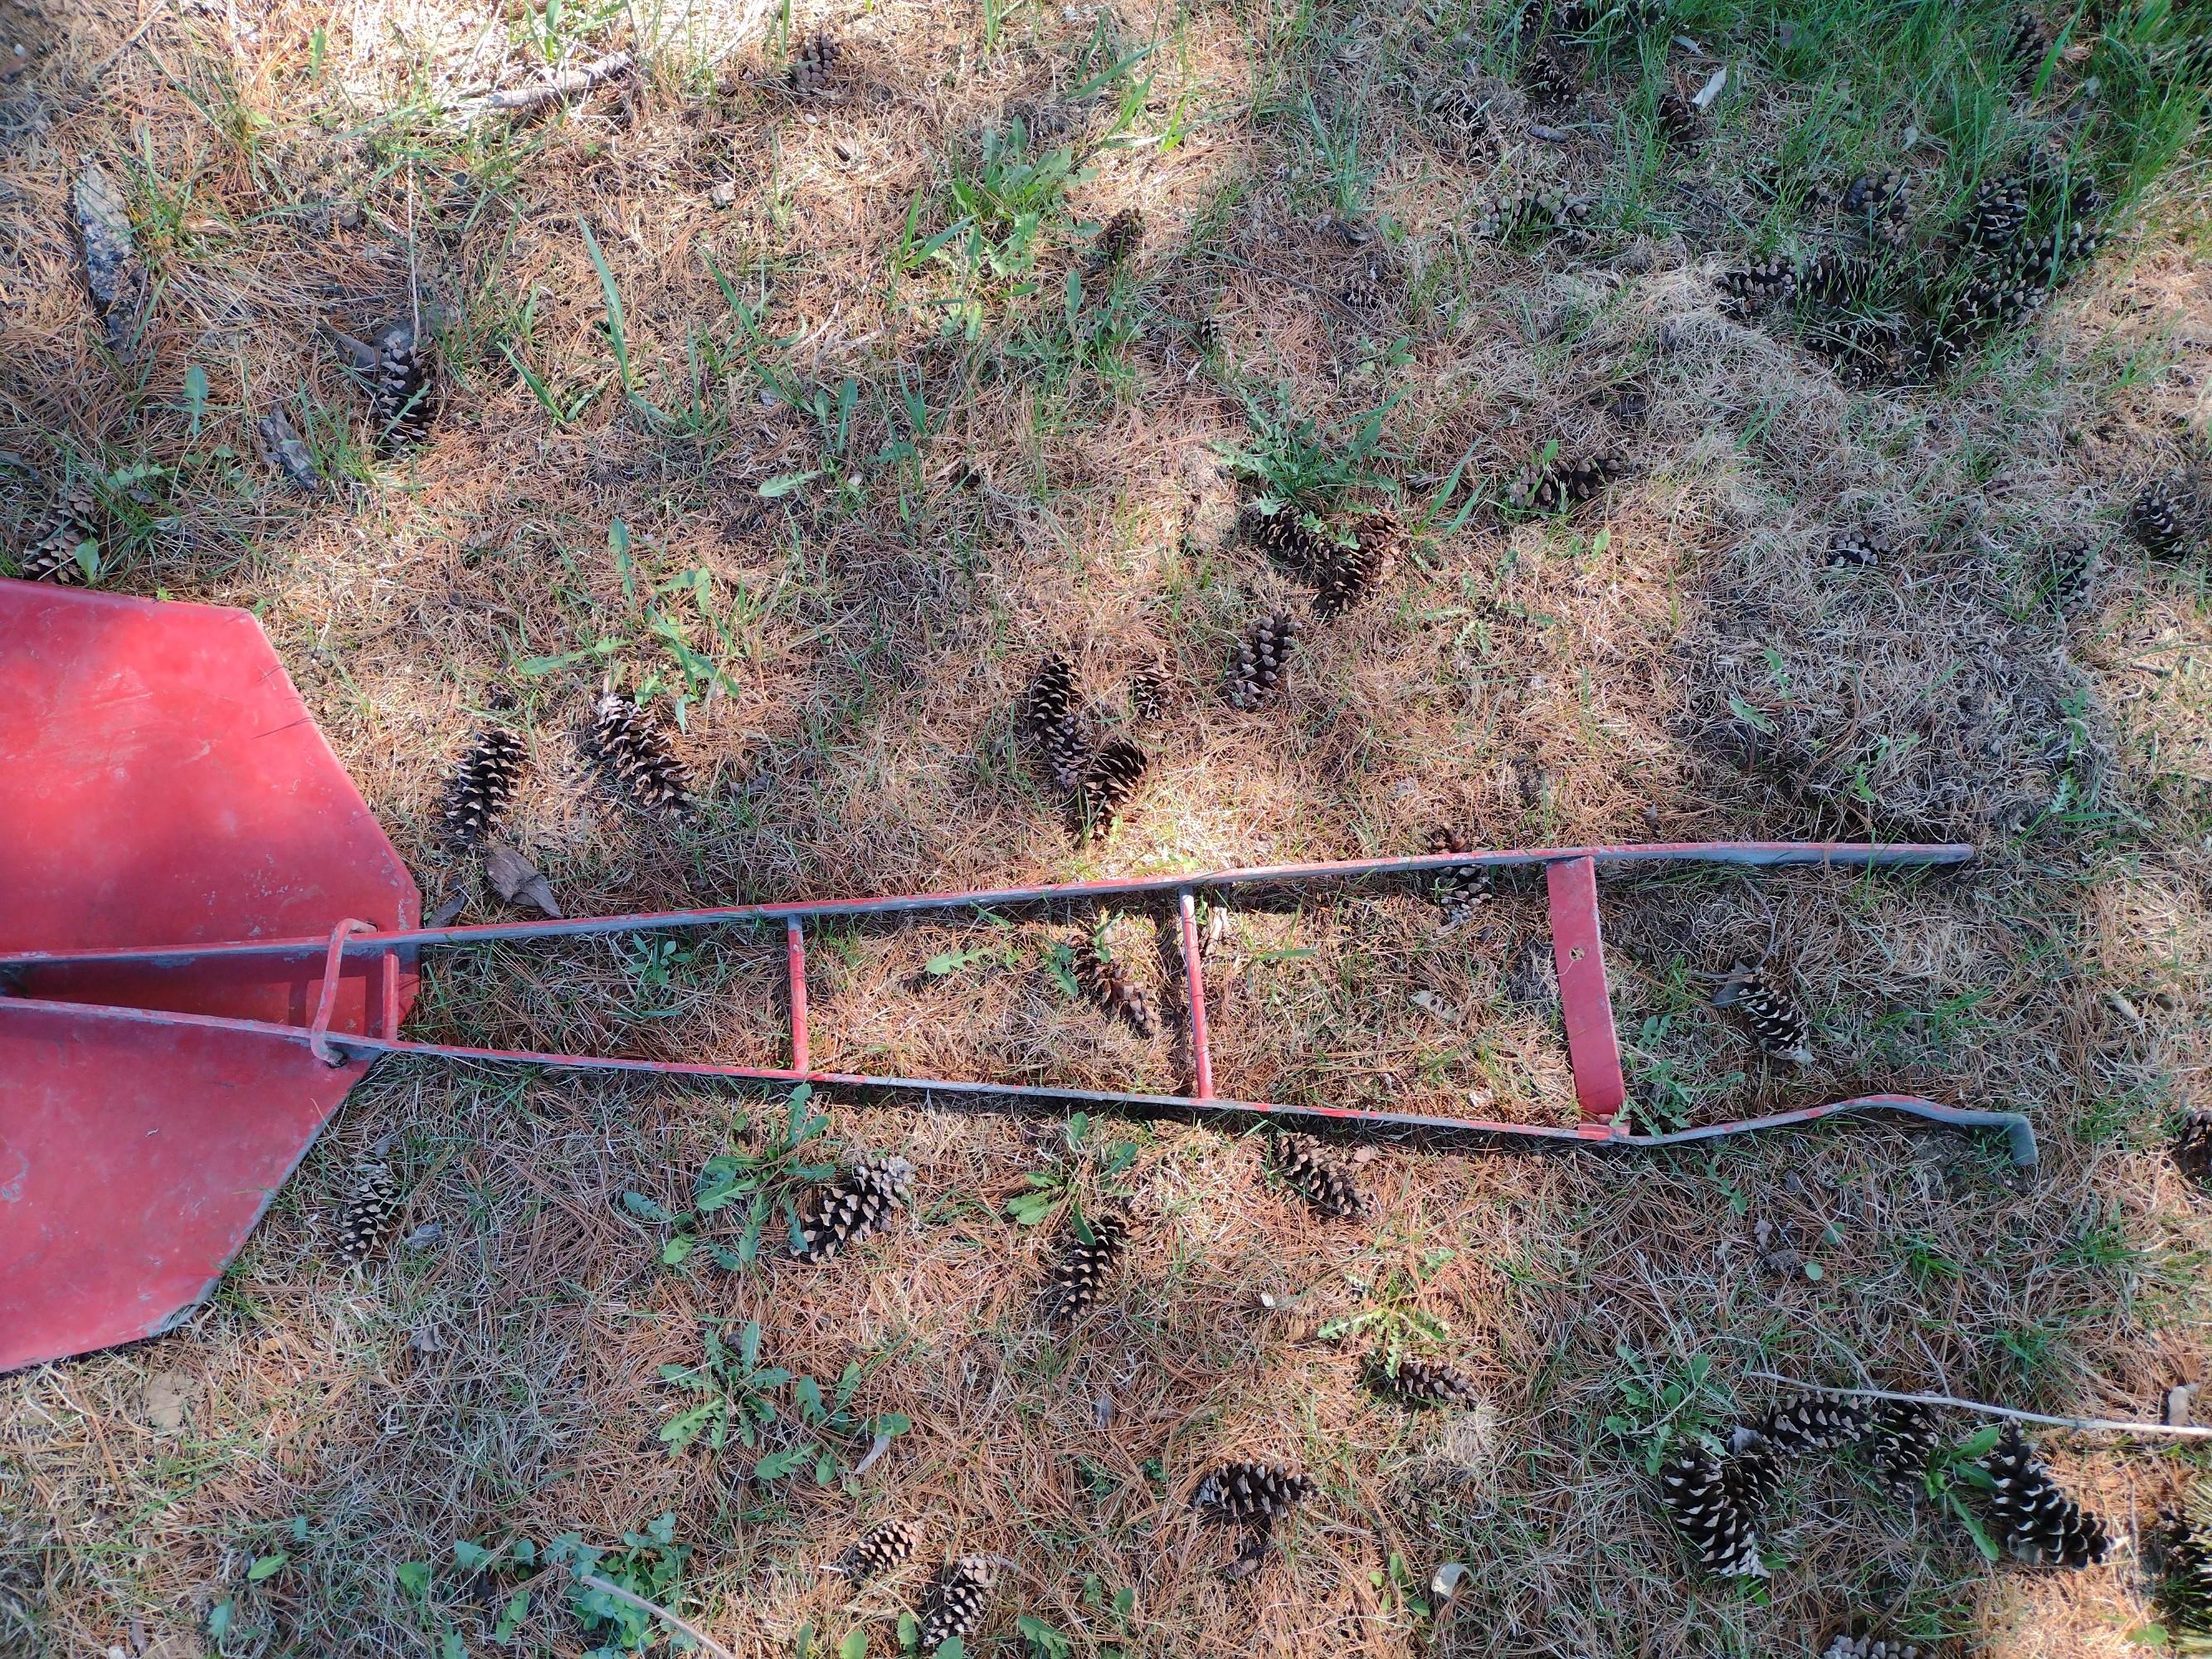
[1321, 1180]
[401, 400]
[1420, 1381]
[1938, 349]
[1147, 695]
[1109, 777]
[877, 1551]
[1994, 216]
[1205, 332]
[2192, 1151]
[1461, 889]
[1108, 983]
[1752, 1474]
[1054, 720]
[1847, 1646]
[1757, 288]
[1361, 291]
[369, 1215]
[843, 1211]
[958, 1601]
[1120, 236]
[1536, 212]
[1353, 572]
[1676, 118]
[2035, 1521]
[1871, 193]
[1551, 486]
[1778, 1025]
[1284, 536]
[1900, 1442]
[2069, 568]
[1261, 654]
[1548, 82]
[1694, 1491]
[1812, 1422]
[813, 63]
[2186, 1594]
[1836, 280]
[51, 556]
[1251, 1495]
[2159, 520]
[1084, 1266]
[2003, 299]
[1461, 108]
[483, 786]
[1855, 551]
[2027, 44]
[634, 756]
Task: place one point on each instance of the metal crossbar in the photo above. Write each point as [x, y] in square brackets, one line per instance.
[1571, 880]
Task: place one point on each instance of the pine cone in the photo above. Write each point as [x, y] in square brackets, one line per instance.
[1551, 486]
[1940, 347]
[1425, 1382]
[1321, 1180]
[635, 758]
[958, 1601]
[1120, 236]
[1257, 667]
[1756, 288]
[843, 1211]
[400, 398]
[1353, 572]
[1284, 536]
[1695, 1491]
[1900, 1442]
[1110, 778]
[1461, 107]
[1871, 193]
[2027, 44]
[876, 1551]
[1867, 1647]
[1836, 280]
[813, 63]
[1677, 119]
[1531, 212]
[2159, 520]
[1994, 216]
[1461, 889]
[483, 786]
[1146, 695]
[1108, 983]
[369, 1215]
[2186, 1593]
[2193, 1150]
[1548, 82]
[50, 555]
[1084, 1266]
[2001, 299]
[2033, 1519]
[1851, 552]
[1779, 1026]
[1054, 720]
[1361, 291]
[1812, 1422]
[1251, 1495]
[2069, 568]
[1752, 1473]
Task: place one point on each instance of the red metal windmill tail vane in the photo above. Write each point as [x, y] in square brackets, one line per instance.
[207, 940]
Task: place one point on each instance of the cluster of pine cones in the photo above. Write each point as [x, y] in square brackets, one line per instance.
[630, 749]
[1901, 313]
[1096, 777]
[956, 1597]
[1715, 1502]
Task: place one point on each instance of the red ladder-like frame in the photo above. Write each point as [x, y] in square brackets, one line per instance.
[1571, 878]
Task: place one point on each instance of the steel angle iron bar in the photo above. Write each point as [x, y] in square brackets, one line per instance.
[1594, 1053]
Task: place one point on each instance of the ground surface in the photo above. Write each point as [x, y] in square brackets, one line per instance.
[877, 430]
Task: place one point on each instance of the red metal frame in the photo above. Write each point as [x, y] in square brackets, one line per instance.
[1571, 875]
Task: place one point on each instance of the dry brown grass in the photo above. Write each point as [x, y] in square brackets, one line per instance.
[501, 1378]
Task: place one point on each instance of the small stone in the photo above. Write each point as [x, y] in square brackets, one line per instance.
[724, 195]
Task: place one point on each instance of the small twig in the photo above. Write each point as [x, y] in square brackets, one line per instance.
[595, 1581]
[566, 83]
[2106, 1425]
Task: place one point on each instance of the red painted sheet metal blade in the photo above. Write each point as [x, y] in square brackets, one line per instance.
[134, 1161]
[163, 784]
[1585, 998]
